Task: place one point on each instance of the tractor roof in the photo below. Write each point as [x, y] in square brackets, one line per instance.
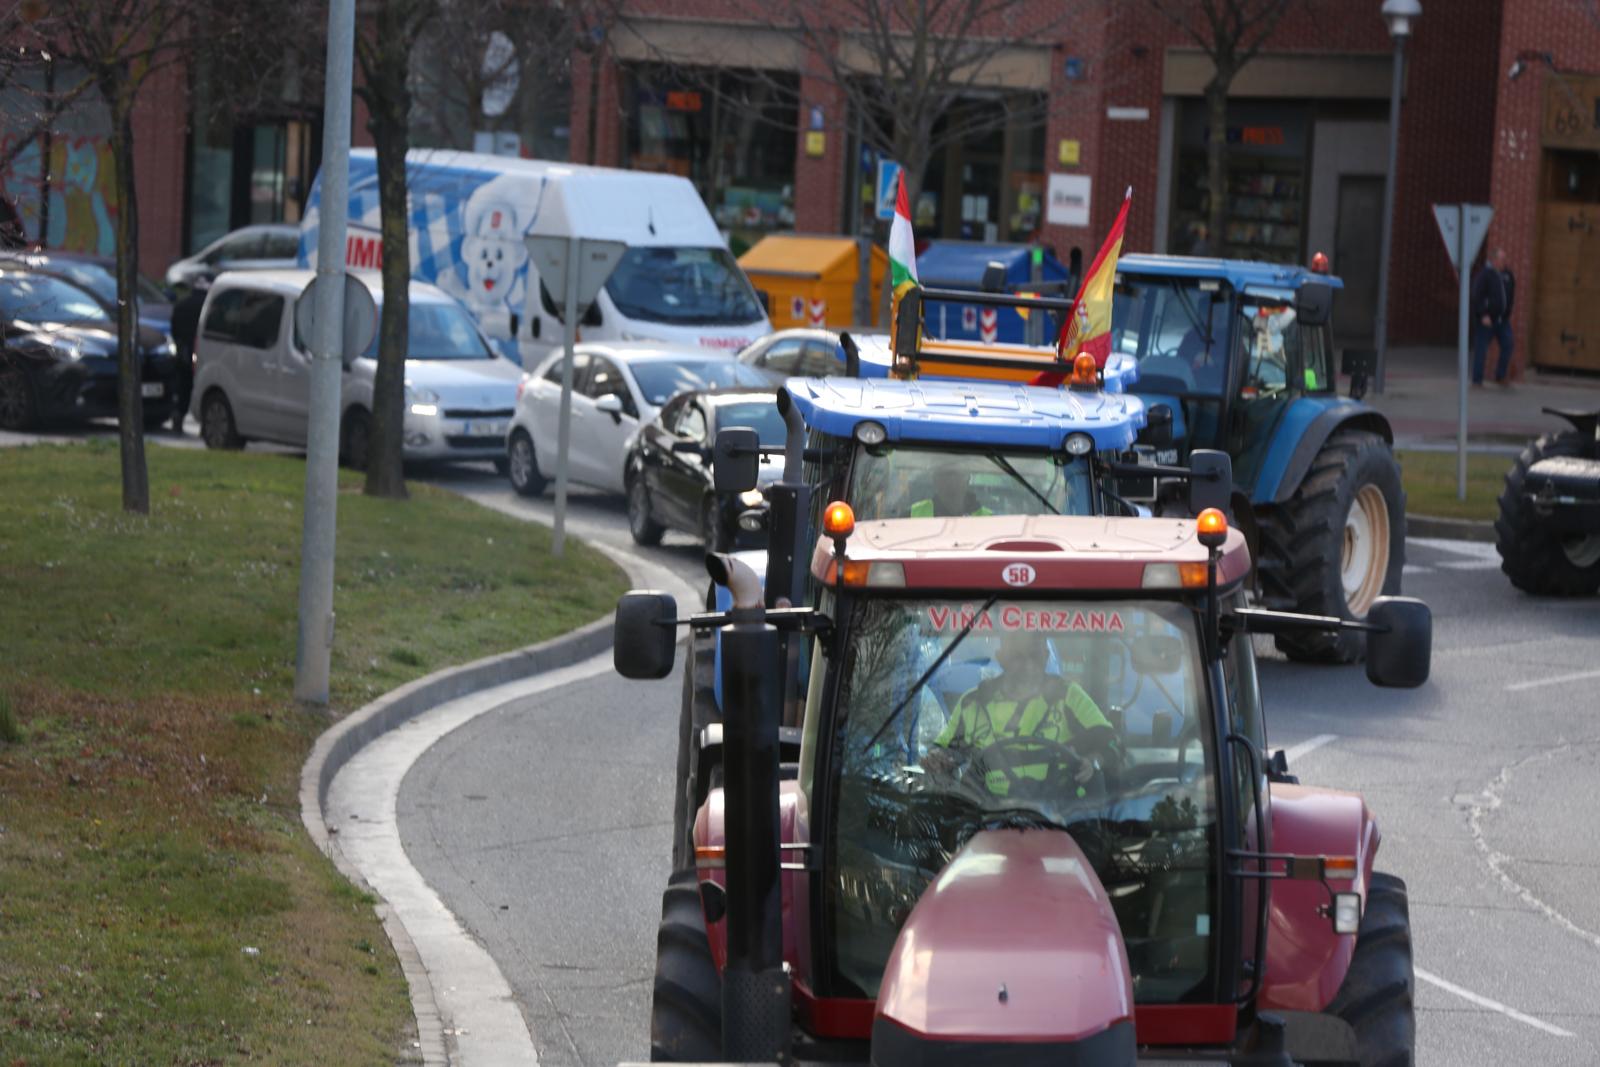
[956, 411]
[1031, 554]
[877, 360]
[1239, 273]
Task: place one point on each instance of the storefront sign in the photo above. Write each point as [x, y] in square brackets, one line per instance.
[1572, 111]
[1069, 200]
[816, 142]
[1068, 153]
[683, 100]
[816, 117]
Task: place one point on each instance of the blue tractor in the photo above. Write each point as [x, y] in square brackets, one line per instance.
[1239, 357]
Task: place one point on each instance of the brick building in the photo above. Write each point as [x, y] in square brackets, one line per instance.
[1308, 126]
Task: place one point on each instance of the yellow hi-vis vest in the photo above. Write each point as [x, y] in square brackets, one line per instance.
[980, 720]
[923, 509]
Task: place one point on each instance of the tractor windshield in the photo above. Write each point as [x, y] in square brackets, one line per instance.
[1087, 717]
[1177, 328]
[900, 481]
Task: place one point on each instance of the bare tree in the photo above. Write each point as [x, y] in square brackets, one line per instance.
[384, 48]
[1230, 32]
[121, 46]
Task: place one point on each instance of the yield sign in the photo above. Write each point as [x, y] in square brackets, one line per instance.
[1451, 218]
[596, 261]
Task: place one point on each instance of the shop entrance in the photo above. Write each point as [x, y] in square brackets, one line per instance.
[1566, 282]
[1355, 251]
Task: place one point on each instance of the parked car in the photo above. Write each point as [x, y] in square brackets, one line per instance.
[252, 373]
[616, 387]
[264, 247]
[669, 466]
[59, 355]
[98, 274]
[795, 353]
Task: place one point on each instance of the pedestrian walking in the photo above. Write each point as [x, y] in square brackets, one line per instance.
[1493, 292]
[185, 326]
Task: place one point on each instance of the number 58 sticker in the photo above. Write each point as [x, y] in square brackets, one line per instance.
[1018, 574]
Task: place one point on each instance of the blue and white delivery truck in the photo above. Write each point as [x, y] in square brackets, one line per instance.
[468, 213]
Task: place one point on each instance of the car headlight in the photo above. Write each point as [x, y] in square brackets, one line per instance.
[65, 349]
[423, 402]
[169, 347]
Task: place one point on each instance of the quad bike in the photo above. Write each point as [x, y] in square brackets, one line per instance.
[1548, 532]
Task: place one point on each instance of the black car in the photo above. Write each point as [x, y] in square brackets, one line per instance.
[58, 355]
[669, 467]
[98, 274]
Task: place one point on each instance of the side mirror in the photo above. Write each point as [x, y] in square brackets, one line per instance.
[645, 642]
[1313, 303]
[1158, 426]
[735, 459]
[994, 277]
[611, 404]
[1212, 483]
[1399, 655]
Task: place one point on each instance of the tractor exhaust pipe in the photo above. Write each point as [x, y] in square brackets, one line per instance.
[755, 985]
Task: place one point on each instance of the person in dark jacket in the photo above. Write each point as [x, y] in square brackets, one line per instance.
[1493, 292]
[185, 327]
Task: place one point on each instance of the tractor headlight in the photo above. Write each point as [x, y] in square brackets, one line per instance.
[751, 498]
[1079, 444]
[1346, 913]
[871, 433]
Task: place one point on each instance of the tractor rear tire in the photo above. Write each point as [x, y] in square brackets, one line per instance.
[686, 1005]
[1539, 560]
[1347, 515]
[1377, 995]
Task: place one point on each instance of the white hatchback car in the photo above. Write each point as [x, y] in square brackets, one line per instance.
[252, 374]
[616, 387]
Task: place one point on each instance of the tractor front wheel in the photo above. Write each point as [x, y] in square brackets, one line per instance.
[686, 1006]
[1376, 998]
[1336, 545]
[1537, 559]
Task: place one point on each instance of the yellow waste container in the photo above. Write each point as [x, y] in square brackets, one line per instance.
[810, 281]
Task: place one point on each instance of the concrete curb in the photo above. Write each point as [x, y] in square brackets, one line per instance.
[340, 742]
[1451, 529]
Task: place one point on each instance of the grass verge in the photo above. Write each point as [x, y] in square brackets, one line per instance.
[159, 901]
[1430, 483]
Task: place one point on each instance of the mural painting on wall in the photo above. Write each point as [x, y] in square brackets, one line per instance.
[83, 193]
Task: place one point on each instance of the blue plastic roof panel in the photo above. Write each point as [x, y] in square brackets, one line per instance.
[966, 411]
[1240, 273]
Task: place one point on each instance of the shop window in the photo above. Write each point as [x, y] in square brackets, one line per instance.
[1267, 179]
[730, 133]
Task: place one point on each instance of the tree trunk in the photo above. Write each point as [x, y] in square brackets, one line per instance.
[130, 395]
[385, 473]
[1217, 157]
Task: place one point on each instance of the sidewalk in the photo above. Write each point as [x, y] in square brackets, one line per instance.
[1421, 398]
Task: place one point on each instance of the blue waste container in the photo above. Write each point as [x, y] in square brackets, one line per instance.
[960, 265]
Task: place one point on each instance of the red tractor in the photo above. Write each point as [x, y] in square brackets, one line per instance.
[1032, 818]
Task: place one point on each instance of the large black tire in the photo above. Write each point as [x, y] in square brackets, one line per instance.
[642, 525]
[19, 409]
[1377, 995]
[1537, 559]
[523, 465]
[217, 428]
[1337, 544]
[686, 1005]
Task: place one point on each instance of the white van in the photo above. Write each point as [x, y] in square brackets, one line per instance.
[677, 284]
[252, 379]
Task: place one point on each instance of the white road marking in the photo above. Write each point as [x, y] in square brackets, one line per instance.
[1554, 679]
[1415, 568]
[1305, 748]
[1471, 565]
[1492, 1005]
[1475, 549]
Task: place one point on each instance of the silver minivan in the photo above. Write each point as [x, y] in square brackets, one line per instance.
[252, 374]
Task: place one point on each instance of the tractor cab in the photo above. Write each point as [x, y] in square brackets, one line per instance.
[1031, 818]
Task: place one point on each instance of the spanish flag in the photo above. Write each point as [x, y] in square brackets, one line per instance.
[1088, 325]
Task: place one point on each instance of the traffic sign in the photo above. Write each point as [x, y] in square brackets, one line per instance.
[1449, 217]
[596, 260]
[888, 187]
[360, 317]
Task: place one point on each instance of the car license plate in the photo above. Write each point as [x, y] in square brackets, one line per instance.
[483, 428]
[151, 389]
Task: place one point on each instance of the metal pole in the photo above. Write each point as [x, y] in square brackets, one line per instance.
[1463, 339]
[558, 540]
[315, 645]
[1387, 239]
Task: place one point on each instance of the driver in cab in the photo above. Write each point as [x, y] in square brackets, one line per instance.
[1018, 726]
[952, 496]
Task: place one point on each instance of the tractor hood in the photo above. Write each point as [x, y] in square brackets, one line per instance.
[1011, 956]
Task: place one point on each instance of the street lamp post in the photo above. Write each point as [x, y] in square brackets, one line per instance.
[1399, 14]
